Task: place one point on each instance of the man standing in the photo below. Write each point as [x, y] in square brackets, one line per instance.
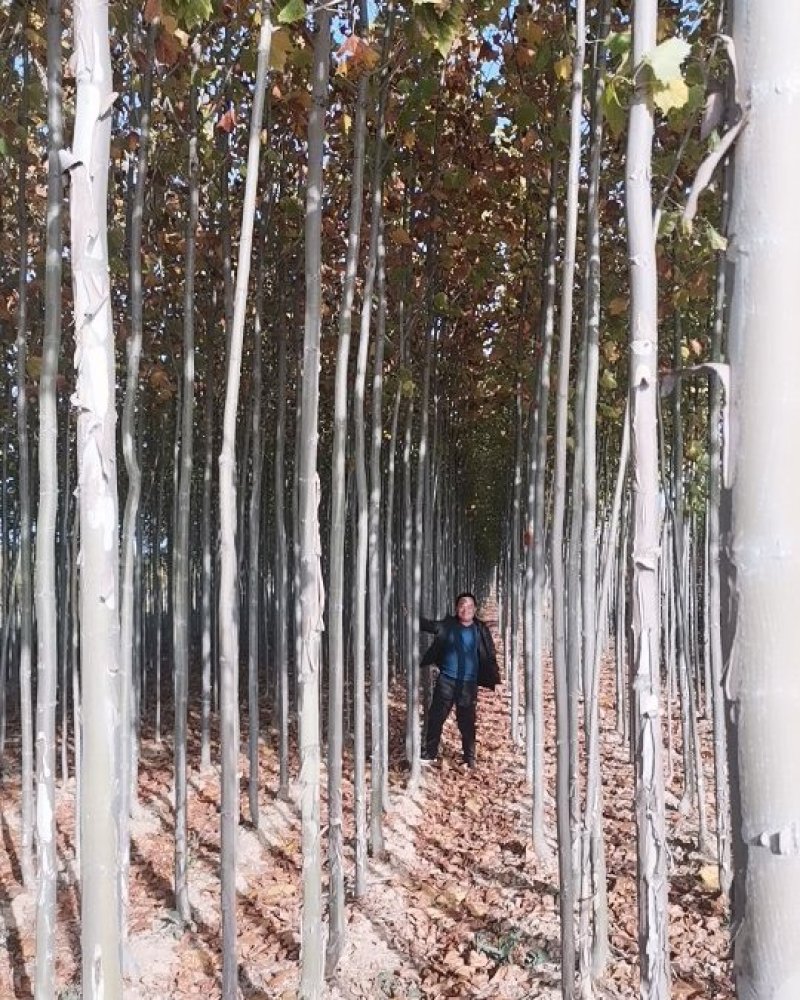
[464, 652]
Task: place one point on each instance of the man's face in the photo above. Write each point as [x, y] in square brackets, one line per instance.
[465, 609]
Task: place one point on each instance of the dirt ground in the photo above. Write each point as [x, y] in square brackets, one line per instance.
[459, 907]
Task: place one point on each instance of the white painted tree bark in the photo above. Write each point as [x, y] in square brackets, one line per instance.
[566, 879]
[46, 613]
[88, 163]
[647, 731]
[762, 675]
[310, 569]
[228, 592]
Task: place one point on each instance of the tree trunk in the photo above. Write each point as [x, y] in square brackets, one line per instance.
[534, 710]
[130, 517]
[762, 676]
[94, 398]
[311, 589]
[253, 564]
[25, 595]
[336, 920]
[648, 748]
[181, 601]
[560, 664]
[228, 599]
[46, 613]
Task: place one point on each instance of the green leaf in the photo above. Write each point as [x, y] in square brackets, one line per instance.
[191, 13]
[295, 10]
[619, 46]
[716, 240]
[615, 113]
[665, 60]
[440, 26]
[526, 112]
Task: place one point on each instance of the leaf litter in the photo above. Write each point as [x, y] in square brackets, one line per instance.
[459, 906]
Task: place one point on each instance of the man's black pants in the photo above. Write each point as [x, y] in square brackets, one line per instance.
[462, 694]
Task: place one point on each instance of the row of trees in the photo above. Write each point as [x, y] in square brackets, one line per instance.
[402, 168]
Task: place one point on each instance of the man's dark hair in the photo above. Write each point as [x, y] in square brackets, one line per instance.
[467, 593]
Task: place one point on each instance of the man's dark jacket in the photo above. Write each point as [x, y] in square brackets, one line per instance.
[488, 672]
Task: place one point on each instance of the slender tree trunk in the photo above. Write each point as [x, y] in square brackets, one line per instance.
[46, 614]
[206, 642]
[535, 707]
[363, 544]
[181, 600]
[648, 740]
[762, 676]
[594, 894]
[253, 564]
[311, 591]
[282, 570]
[94, 397]
[336, 920]
[25, 590]
[422, 474]
[378, 689]
[722, 787]
[566, 874]
[130, 517]
[228, 600]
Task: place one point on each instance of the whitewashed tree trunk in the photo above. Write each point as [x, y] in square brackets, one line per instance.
[46, 614]
[228, 590]
[311, 589]
[97, 484]
[764, 349]
[647, 733]
[560, 665]
[534, 708]
[25, 589]
[336, 906]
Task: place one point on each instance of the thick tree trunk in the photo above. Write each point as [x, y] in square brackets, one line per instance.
[762, 676]
[46, 613]
[94, 397]
[311, 588]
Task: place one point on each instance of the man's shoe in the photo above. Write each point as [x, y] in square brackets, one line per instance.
[426, 760]
[469, 762]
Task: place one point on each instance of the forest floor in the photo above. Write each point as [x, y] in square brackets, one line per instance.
[459, 908]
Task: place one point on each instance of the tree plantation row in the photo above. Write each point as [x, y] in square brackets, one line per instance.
[312, 317]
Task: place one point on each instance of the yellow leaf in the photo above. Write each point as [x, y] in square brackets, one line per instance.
[409, 139]
[400, 236]
[563, 68]
[279, 50]
[529, 29]
[347, 122]
[617, 307]
[674, 94]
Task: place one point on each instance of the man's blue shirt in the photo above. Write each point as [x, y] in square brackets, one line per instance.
[460, 659]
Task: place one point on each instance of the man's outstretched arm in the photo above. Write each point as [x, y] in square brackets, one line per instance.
[429, 624]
